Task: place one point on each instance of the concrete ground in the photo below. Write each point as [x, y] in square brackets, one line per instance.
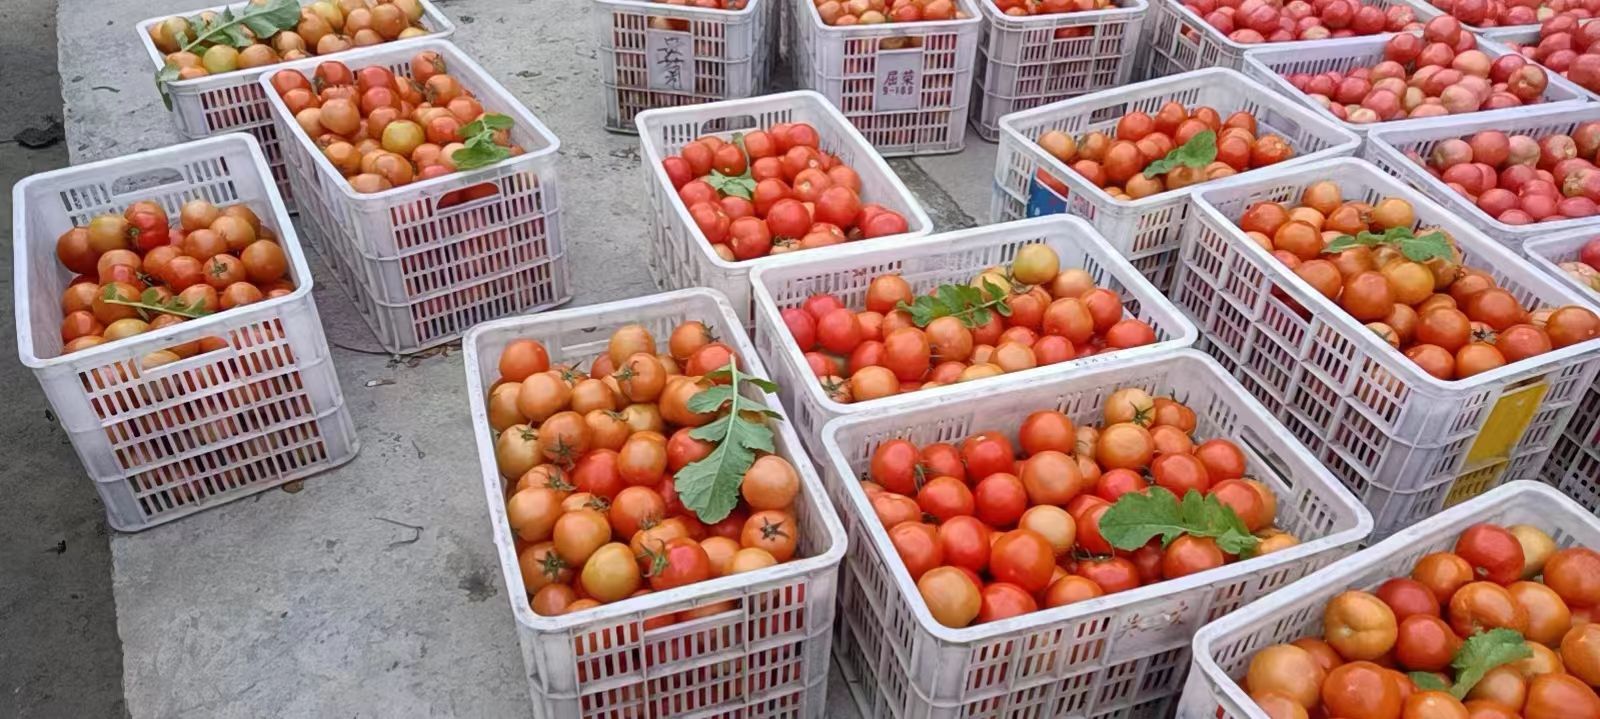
[59, 653]
[315, 602]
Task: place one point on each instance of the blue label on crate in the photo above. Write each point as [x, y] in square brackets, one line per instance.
[1044, 199]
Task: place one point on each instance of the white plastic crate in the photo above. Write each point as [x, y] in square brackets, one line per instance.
[1146, 230]
[1387, 148]
[681, 257]
[169, 441]
[1101, 657]
[766, 656]
[923, 115]
[1574, 464]
[1401, 439]
[421, 274]
[1223, 649]
[1527, 35]
[1180, 40]
[719, 55]
[1025, 62]
[234, 101]
[946, 258]
[1269, 64]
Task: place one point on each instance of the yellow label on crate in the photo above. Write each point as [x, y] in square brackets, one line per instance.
[1474, 483]
[1508, 419]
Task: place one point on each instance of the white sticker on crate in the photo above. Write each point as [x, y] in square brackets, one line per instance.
[671, 60]
[899, 80]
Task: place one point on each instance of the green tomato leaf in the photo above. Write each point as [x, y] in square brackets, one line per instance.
[1138, 517]
[480, 149]
[266, 20]
[710, 486]
[1199, 151]
[1484, 651]
[1428, 682]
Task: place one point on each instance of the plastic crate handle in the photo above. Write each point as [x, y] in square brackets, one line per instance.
[731, 123]
[1254, 441]
[145, 182]
[465, 205]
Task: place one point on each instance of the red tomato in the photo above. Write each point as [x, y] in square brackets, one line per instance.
[987, 453]
[1024, 558]
[682, 561]
[1000, 499]
[1222, 458]
[819, 305]
[1112, 575]
[946, 497]
[894, 466]
[1001, 600]
[965, 543]
[918, 546]
[1494, 553]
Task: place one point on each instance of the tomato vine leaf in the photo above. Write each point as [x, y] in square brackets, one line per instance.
[150, 301]
[1137, 517]
[1417, 249]
[225, 28]
[1484, 651]
[734, 185]
[709, 487]
[481, 150]
[969, 304]
[1199, 151]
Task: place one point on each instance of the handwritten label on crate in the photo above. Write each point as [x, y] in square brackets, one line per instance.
[670, 56]
[899, 85]
[1046, 198]
[1507, 420]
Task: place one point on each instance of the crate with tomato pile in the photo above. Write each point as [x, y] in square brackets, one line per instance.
[1050, 545]
[1188, 35]
[1420, 360]
[1481, 611]
[1563, 43]
[666, 545]
[165, 307]
[428, 188]
[1126, 159]
[735, 184]
[1493, 18]
[656, 53]
[1574, 464]
[207, 64]
[1515, 178]
[1368, 83]
[1034, 53]
[867, 328]
[902, 74]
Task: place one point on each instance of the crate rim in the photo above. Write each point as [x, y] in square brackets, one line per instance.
[429, 11]
[1347, 45]
[992, 13]
[1335, 573]
[859, 503]
[175, 334]
[684, 11]
[1424, 11]
[1007, 126]
[1139, 288]
[917, 225]
[1439, 128]
[898, 29]
[1391, 358]
[811, 483]
[1534, 250]
[453, 55]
